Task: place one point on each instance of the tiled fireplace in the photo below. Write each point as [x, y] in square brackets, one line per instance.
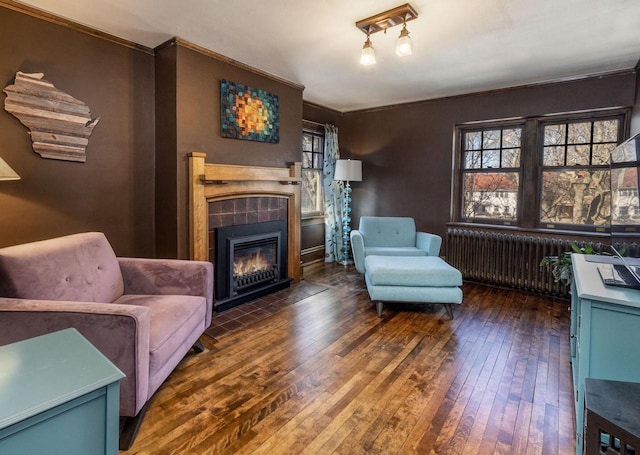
[248, 247]
[246, 220]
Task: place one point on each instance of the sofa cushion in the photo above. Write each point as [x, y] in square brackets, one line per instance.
[411, 271]
[394, 251]
[389, 231]
[79, 267]
[176, 321]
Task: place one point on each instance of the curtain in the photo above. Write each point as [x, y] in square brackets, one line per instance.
[333, 197]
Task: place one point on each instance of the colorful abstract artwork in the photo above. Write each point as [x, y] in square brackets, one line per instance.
[248, 113]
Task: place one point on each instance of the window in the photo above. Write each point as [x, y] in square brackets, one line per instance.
[548, 172]
[491, 175]
[312, 162]
[576, 185]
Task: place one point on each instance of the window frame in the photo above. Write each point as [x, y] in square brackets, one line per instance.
[531, 168]
[584, 117]
[459, 165]
[316, 131]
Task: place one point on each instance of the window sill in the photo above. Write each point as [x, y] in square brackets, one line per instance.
[308, 220]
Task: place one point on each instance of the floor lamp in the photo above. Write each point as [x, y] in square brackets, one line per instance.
[347, 171]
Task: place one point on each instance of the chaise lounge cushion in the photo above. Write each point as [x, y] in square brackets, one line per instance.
[411, 271]
[393, 251]
[388, 231]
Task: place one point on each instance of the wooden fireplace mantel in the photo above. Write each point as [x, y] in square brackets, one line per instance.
[216, 182]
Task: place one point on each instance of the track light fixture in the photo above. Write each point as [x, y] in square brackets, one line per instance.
[383, 21]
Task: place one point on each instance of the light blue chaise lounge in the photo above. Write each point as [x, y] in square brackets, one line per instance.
[402, 265]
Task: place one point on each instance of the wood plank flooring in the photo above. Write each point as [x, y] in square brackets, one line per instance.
[325, 375]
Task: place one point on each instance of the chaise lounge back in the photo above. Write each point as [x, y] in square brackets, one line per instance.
[142, 314]
[391, 236]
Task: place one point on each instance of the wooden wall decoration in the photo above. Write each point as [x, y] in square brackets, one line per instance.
[59, 124]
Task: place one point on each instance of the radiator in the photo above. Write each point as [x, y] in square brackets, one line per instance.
[509, 260]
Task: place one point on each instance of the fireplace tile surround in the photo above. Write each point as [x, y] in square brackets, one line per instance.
[246, 210]
[241, 211]
[230, 195]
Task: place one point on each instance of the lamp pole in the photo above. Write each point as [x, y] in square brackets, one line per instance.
[347, 171]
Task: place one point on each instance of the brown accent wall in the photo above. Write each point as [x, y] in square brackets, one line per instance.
[113, 191]
[193, 119]
[321, 114]
[407, 150]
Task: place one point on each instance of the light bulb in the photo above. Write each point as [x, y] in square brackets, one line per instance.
[368, 56]
[403, 46]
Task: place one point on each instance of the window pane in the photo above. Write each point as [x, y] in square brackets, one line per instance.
[511, 138]
[605, 131]
[577, 154]
[317, 144]
[472, 160]
[624, 190]
[311, 192]
[602, 153]
[575, 197]
[307, 159]
[491, 139]
[553, 156]
[473, 140]
[491, 195]
[511, 158]
[317, 160]
[579, 133]
[554, 134]
[307, 144]
[491, 159]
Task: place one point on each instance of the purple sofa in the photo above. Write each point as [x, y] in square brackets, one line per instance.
[142, 314]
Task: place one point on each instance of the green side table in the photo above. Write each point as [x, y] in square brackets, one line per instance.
[58, 395]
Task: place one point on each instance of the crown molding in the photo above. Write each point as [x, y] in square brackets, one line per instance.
[209, 53]
[40, 14]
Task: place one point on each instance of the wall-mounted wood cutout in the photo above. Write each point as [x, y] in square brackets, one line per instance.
[59, 124]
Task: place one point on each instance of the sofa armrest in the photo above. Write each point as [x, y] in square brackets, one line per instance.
[169, 277]
[120, 332]
[357, 247]
[429, 242]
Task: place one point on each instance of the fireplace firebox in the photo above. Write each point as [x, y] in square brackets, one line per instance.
[250, 261]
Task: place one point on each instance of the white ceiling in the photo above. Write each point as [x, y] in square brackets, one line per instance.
[460, 46]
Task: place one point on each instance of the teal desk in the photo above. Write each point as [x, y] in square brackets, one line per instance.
[58, 395]
[605, 334]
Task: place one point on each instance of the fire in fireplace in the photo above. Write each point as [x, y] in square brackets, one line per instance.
[254, 261]
[250, 261]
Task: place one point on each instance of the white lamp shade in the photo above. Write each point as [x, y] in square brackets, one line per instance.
[368, 55]
[348, 170]
[6, 173]
[403, 46]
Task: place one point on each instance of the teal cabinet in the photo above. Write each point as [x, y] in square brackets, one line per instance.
[58, 395]
[605, 333]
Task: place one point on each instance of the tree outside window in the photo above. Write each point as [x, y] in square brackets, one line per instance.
[312, 200]
[551, 172]
[576, 183]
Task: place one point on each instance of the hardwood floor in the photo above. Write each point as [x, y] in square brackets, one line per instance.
[326, 375]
